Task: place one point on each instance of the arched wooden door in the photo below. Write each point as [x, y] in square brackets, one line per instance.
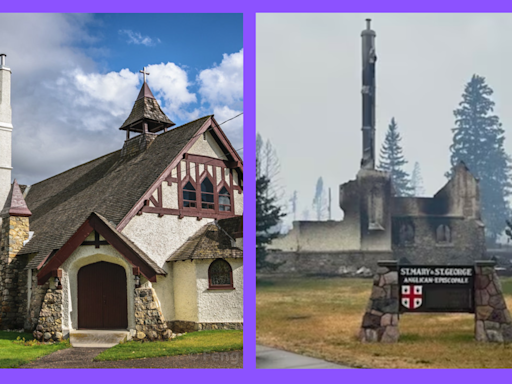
[102, 299]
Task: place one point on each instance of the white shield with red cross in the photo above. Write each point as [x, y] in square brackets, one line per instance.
[412, 296]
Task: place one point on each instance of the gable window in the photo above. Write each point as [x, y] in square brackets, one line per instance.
[224, 200]
[220, 275]
[406, 234]
[443, 234]
[207, 197]
[189, 195]
[376, 208]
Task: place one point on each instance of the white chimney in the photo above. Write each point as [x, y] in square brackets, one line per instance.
[5, 130]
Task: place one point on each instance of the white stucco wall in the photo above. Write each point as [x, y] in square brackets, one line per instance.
[319, 236]
[159, 237]
[185, 291]
[82, 256]
[208, 147]
[238, 202]
[216, 306]
[170, 195]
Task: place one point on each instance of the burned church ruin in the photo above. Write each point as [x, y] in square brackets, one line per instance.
[444, 229]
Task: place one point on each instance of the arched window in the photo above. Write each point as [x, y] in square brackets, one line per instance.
[375, 209]
[406, 234]
[207, 197]
[443, 234]
[189, 196]
[220, 275]
[224, 200]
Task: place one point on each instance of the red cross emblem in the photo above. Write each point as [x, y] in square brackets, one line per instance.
[412, 296]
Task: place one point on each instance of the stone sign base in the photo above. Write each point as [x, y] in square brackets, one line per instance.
[493, 322]
[380, 321]
[492, 318]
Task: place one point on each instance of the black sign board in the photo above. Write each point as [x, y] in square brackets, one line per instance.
[436, 288]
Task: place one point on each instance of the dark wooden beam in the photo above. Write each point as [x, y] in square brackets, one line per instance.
[212, 161]
[123, 248]
[62, 254]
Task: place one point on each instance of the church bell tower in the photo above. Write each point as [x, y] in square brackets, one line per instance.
[5, 130]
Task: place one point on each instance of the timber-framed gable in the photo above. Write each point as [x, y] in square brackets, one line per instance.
[178, 191]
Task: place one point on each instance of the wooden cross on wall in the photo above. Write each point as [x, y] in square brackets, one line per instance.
[97, 242]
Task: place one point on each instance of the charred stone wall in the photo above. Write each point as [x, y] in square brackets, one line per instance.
[466, 242]
[328, 264]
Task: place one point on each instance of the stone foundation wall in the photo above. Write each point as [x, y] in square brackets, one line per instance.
[149, 320]
[49, 326]
[179, 326]
[380, 320]
[13, 276]
[36, 303]
[492, 318]
[328, 264]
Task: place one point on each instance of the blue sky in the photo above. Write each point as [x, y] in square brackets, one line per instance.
[75, 79]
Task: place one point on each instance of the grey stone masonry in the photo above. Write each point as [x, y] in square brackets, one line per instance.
[380, 320]
[13, 276]
[149, 320]
[492, 318]
[191, 326]
[49, 326]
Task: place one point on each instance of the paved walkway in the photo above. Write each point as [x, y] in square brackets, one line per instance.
[83, 358]
[270, 358]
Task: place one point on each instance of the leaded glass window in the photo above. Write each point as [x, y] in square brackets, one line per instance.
[207, 197]
[220, 274]
[224, 200]
[189, 196]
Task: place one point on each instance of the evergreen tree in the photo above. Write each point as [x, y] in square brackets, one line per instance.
[268, 216]
[392, 160]
[478, 139]
[320, 200]
[417, 181]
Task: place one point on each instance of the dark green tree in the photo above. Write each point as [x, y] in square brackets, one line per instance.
[392, 160]
[478, 141]
[268, 216]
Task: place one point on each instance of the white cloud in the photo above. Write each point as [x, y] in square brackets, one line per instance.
[137, 38]
[223, 84]
[171, 83]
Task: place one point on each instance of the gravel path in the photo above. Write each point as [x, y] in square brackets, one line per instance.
[83, 358]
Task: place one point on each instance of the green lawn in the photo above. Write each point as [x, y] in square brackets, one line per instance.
[191, 343]
[13, 355]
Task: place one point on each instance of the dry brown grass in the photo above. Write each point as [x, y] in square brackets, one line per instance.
[321, 318]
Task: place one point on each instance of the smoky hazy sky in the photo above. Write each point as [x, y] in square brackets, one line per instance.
[309, 89]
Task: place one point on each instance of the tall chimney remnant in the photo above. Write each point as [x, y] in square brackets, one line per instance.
[5, 130]
[368, 93]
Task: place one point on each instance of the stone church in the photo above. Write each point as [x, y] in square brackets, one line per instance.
[146, 240]
[378, 225]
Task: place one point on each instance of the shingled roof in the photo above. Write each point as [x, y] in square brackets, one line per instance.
[209, 242]
[15, 205]
[110, 186]
[146, 109]
[233, 226]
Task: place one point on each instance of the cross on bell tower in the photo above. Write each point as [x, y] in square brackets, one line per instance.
[144, 73]
[146, 117]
